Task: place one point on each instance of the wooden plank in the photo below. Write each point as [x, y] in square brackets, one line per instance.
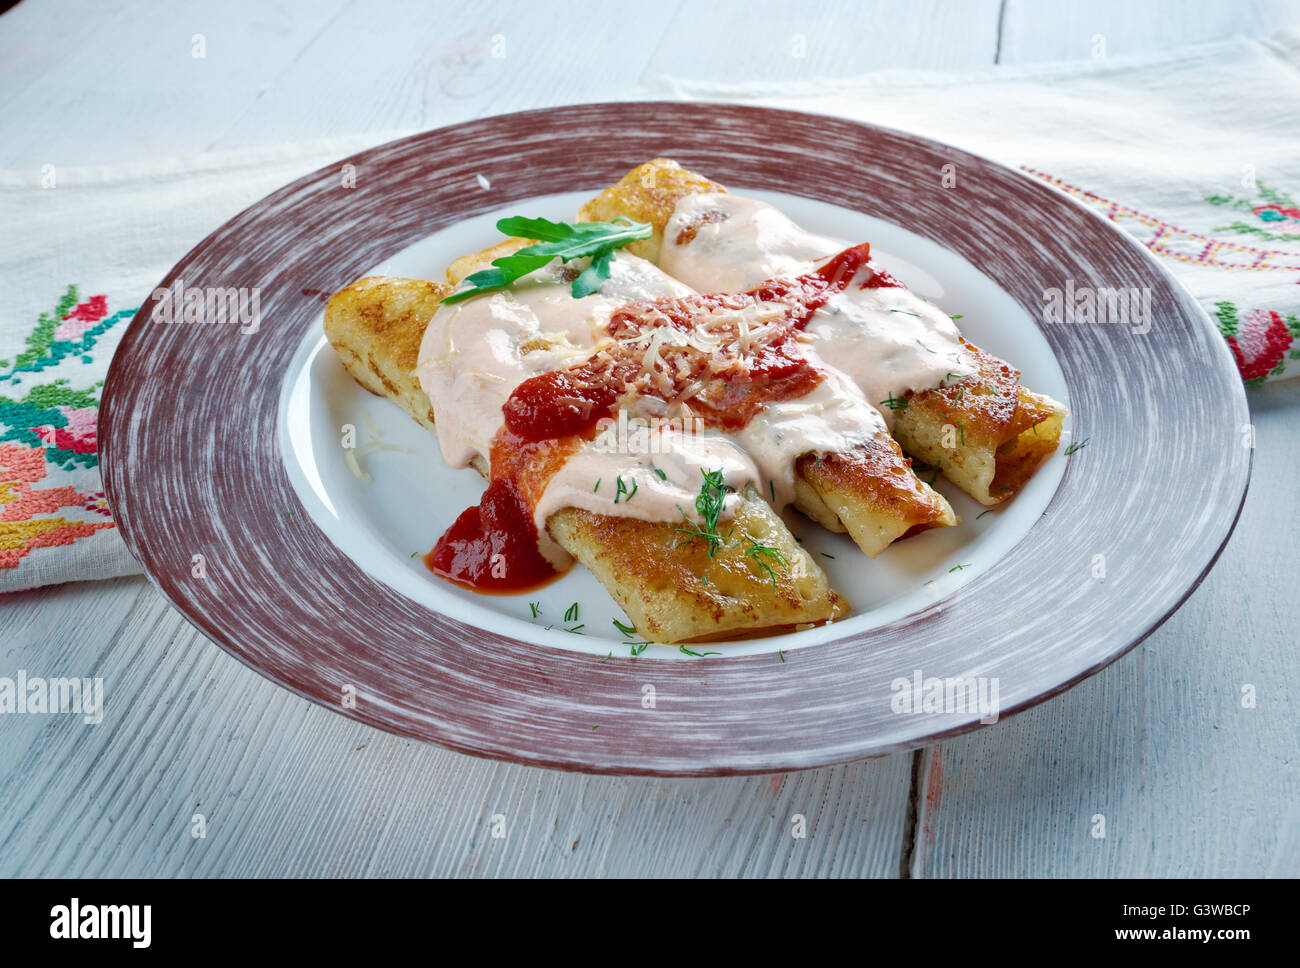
[772, 41]
[279, 75]
[288, 788]
[1033, 32]
[491, 57]
[61, 630]
[1190, 783]
[130, 86]
[25, 61]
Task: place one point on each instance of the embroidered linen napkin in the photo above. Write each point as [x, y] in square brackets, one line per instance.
[80, 251]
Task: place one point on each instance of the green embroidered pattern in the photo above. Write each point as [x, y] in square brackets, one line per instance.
[56, 416]
[1227, 316]
[1277, 215]
[44, 350]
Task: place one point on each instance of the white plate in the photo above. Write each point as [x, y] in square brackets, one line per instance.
[387, 525]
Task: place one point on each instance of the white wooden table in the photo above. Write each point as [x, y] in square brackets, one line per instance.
[1189, 781]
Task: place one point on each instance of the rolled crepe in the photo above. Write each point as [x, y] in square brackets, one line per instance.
[672, 588]
[966, 414]
[872, 494]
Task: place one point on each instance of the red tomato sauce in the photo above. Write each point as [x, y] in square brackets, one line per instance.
[493, 546]
[880, 279]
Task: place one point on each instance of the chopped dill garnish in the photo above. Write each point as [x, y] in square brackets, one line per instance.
[957, 568]
[698, 655]
[662, 475]
[626, 630]
[608, 657]
[982, 513]
[924, 347]
[597, 487]
[894, 403]
[533, 606]
[906, 313]
[638, 647]
[1079, 446]
[624, 492]
[575, 629]
[571, 613]
[825, 555]
[709, 503]
[957, 316]
[771, 487]
[714, 539]
[781, 653]
[761, 554]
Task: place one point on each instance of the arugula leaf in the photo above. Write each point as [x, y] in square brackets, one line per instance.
[564, 240]
[594, 276]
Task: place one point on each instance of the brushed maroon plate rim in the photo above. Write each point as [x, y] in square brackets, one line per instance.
[192, 465]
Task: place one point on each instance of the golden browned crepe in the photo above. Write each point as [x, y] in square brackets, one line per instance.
[674, 592]
[986, 433]
[375, 325]
[648, 193]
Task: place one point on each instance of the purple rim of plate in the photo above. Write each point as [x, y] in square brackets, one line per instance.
[192, 464]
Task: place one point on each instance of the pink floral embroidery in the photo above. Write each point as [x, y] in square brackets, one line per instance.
[78, 435]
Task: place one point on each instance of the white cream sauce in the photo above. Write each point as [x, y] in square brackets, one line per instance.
[474, 355]
[666, 466]
[753, 242]
[832, 419]
[885, 340]
[656, 486]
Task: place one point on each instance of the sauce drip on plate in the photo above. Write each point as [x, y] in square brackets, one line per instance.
[493, 545]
